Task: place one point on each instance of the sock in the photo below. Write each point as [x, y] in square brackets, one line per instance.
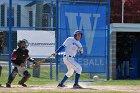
[77, 76]
[64, 79]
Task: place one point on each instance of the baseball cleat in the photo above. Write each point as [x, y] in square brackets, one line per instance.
[77, 86]
[61, 85]
[8, 85]
[22, 84]
[1, 85]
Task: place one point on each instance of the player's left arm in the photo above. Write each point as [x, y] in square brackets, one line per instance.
[29, 58]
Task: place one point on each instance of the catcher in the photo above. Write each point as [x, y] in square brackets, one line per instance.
[19, 57]
[1, 41]
[1, 48]
[0, 73]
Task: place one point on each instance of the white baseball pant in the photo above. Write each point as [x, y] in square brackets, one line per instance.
[72, 66]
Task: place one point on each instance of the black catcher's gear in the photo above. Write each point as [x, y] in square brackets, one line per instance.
[22, 44]
[19, 56]
[12, 77]
[24, 79]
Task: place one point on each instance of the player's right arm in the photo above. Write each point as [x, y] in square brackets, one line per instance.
[14, 55]
[14, 58]
[66, 42]
[58, 50]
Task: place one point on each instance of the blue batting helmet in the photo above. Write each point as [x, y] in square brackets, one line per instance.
[76, 32]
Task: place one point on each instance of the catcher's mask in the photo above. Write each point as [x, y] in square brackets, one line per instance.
[77, 32]
[22, 44]
[1, 33]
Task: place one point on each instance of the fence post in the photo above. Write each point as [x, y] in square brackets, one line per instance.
[28, 64]
[10, 35]
[36, 70]
[51, 69]
[56, 33]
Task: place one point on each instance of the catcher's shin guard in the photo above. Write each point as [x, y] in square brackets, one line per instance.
[12, 75]
[25, 78]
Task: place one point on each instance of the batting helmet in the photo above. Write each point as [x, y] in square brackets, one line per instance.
[76, 32]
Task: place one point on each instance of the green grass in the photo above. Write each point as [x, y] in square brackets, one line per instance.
[119, 82]
[44, 78]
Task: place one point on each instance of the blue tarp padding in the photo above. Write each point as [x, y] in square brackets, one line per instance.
[91, 19]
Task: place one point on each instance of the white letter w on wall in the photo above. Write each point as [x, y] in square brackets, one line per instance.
[86, 22]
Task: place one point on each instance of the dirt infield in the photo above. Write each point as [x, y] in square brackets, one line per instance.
[53, 88]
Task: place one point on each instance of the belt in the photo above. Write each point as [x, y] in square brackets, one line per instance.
[69, 56]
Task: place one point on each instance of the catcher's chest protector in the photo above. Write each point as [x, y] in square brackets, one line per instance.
[22, 54]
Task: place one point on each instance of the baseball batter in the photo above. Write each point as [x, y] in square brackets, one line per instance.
[19, 57]
[72, 46]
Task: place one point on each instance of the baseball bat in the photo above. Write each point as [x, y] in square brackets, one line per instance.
[43, 60]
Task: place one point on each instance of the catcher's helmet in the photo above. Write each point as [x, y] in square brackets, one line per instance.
[76, 32]
[1, 33]
[22, 41]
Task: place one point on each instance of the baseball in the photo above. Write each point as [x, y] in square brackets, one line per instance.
[95, 77]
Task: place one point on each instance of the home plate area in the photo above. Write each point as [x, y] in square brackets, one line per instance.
[68, 89]
[88, 88]
[64, 89]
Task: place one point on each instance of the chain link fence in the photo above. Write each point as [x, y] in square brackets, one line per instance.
[38, 15]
